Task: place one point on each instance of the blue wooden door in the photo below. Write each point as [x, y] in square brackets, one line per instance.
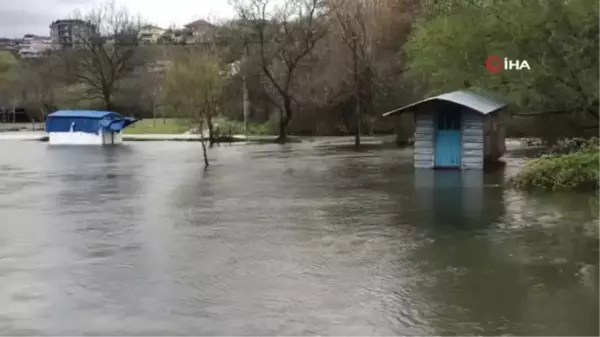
[448, 140]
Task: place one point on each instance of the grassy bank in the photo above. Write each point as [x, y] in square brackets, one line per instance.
[571, 165]
[223, 127]
[229, 127]
[166, 126]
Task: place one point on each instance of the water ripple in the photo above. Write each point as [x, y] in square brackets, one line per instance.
[282, 240]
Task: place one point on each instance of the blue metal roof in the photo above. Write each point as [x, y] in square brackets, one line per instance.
[96, 114]
[482, 104]
[117, 124]
[89, 121]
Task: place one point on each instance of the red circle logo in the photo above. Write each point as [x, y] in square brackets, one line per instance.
[493, 63]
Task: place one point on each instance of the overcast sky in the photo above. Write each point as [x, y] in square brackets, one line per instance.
[19, 17]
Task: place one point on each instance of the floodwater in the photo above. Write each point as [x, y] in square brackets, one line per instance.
[283, 240]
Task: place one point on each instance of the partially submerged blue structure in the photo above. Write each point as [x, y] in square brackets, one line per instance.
[458, 130]
[86, 127]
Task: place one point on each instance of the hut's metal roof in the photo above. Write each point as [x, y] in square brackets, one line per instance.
[95, 114]
[482, 104]
[62, 120]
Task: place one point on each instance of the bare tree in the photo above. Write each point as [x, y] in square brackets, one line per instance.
[38, 79]
[9, 74]
[193, 88]
[105, 52]
[351, 19]
[285, 37]
[365, 42]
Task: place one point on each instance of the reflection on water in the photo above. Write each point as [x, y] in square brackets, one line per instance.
[298, 239]
[459, 201]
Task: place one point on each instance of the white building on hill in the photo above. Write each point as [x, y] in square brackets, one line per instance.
[33, 46]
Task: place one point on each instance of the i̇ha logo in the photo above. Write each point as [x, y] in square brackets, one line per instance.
[495, 64]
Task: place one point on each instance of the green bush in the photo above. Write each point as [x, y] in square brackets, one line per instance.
[570, 145]
[575, 170]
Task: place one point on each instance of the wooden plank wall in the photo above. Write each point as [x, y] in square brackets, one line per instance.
[424, 137]
[503, 120]
[494, 129]
[472, 141]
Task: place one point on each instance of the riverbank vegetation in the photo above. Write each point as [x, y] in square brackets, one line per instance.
[285, 70]
[557, 98]
[193, 89]
[332, 67]
[572, 164]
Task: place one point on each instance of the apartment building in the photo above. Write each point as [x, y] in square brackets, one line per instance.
[68, 33]
[33, 46]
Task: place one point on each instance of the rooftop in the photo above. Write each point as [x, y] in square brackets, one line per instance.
[69, 21]
[483, 104]
[35, 37]
[199, 23]
[151, 27]
[96, 114]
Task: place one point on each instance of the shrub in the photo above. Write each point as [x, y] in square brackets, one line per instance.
[570, 145]
[573, 170]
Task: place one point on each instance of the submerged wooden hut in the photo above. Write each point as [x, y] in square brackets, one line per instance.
[83, 127]
[458, 130]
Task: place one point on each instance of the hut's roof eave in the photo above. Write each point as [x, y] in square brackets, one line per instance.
[93, 114]
[481, 104]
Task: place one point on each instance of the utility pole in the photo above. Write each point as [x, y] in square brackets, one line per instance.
[246, 106]
[246, 98]
[14, 112]
[154, 107]
[356, 87]
[153, 112]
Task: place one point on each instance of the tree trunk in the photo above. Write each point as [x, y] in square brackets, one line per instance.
[284, 120]
[106, 95]
[211, 131]
[357, 135]
[282, 138]
[246, 106]
[203, 142]
[204, 154]
[43, 116]
[153, 113]
[356, 94]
